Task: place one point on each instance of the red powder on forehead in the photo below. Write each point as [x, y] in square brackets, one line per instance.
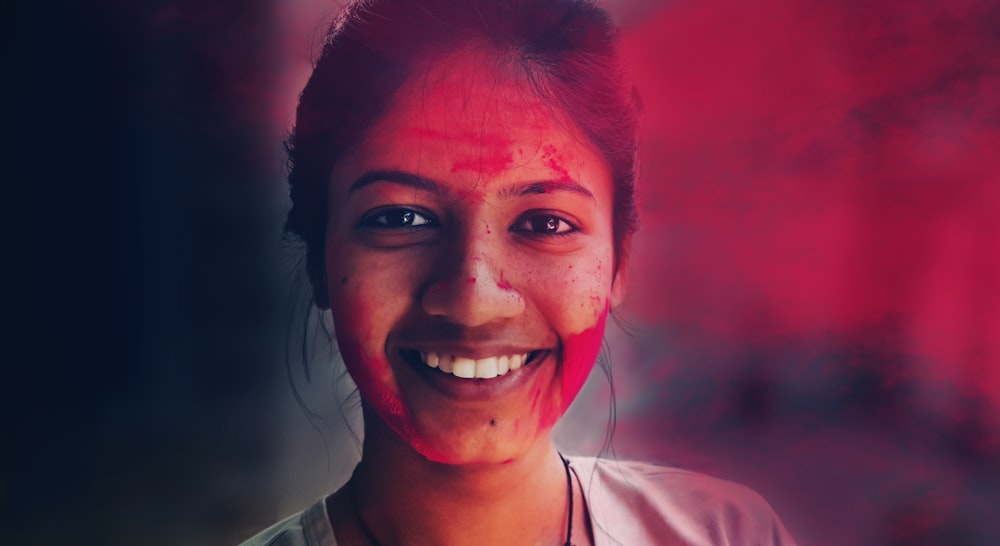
[485, 165]
[486, 140]
[554, 161]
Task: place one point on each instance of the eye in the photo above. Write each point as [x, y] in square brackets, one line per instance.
[396, 218]
[543, 224]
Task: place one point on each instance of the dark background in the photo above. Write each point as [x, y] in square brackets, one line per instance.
[143, 208]
[814, 300]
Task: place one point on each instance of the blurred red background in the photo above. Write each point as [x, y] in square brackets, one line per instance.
[814, 296]
[814, 299]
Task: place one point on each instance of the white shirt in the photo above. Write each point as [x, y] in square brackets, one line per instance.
[630, 504]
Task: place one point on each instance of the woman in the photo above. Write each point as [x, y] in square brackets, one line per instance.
[463, 179]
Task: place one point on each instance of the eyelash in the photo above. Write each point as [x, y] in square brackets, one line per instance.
[382, 219]
[527, 218]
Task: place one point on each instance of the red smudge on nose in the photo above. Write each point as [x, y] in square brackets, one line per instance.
[504, 285]
[439, 286]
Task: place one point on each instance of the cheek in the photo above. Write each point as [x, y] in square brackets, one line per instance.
[370, 370]
[581, 324]
[362, 354]
[579, 354]
[574, 295]
[360, 323]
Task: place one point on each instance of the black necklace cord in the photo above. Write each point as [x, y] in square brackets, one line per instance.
[370, 535]
[569, 487]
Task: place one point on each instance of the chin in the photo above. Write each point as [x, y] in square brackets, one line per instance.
[480, 441]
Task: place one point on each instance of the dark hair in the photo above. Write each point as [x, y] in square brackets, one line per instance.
[564, 49]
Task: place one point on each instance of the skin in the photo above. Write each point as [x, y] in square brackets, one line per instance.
[471, 220]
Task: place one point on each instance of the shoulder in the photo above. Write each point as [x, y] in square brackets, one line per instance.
[287, 532]
[311, 527]
[639, 503]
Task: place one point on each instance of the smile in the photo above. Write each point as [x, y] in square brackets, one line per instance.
[469, 368]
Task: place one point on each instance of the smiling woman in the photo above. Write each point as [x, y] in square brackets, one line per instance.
[474, 219]
[463, 178]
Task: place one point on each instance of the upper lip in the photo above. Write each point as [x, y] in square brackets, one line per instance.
[443, 337]
[472, 351]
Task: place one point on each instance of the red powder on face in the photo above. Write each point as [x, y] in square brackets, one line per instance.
[439, 286]
[367, 372]
[504, 285]
[472, 280]
[473, 139]
[485, 165]
[534, 399]
[553, 160]
[579, 354]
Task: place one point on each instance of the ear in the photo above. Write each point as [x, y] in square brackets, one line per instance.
[618, 286]
[621, 273]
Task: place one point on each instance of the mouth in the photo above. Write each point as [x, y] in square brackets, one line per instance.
[472, 368]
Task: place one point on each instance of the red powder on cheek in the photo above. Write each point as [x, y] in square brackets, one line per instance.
[579, 354]
[534, 399]
[370, 374]
[504, 285]
[472, 280]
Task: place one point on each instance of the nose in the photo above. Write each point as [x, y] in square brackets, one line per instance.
[472, 291]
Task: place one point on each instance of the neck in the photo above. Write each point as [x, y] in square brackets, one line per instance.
[406, 499]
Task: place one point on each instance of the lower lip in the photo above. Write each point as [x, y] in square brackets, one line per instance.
[462, 389]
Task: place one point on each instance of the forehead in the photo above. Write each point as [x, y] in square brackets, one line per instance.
[462, 118]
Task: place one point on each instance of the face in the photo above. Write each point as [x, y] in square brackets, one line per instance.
[469, 265]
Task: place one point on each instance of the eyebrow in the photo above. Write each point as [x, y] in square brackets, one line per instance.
[404, 178]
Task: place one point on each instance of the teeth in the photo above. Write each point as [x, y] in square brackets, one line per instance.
[464, 368]
[445, 363]
[503, 365]
[486, 368]
[467, 368]
[516, 361]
